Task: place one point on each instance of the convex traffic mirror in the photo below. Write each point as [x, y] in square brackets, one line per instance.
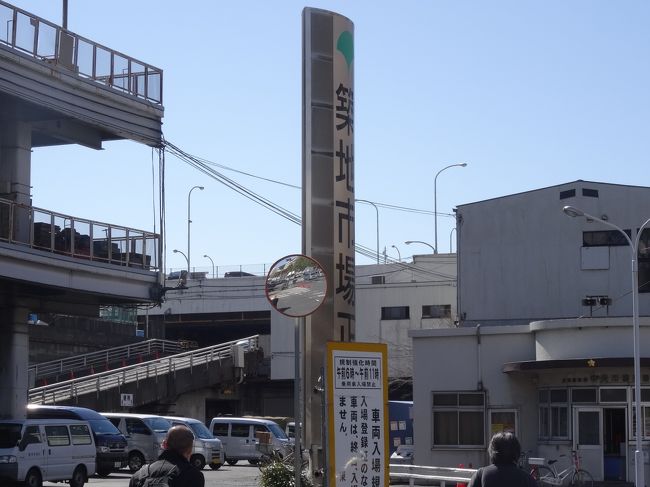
[296, 285]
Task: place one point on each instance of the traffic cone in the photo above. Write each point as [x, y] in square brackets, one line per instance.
[461, 484]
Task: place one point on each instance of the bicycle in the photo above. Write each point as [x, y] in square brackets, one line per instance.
[545, 472]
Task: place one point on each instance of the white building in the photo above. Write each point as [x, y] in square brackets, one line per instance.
[391, 300]
[552, 357]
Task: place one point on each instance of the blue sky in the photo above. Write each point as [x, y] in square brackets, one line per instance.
[528, 93]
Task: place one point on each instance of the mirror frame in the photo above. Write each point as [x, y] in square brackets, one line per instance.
[314, 263]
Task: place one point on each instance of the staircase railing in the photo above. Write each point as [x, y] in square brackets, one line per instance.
[102, 358]
[70, 389]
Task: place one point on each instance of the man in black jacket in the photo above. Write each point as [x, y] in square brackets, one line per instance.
[173, 463]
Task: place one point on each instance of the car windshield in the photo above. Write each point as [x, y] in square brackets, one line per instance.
[201, 431]
[9, 434]
[159, 425]
[277, 431]
[103, 427]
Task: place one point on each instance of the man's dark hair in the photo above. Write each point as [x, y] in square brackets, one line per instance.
[504, 448]
[180, 439]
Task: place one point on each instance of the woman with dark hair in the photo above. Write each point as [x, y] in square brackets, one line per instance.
[504, 451]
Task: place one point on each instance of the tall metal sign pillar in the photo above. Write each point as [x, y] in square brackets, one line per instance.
[327, 199]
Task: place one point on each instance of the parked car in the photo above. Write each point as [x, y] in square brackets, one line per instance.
[144, 434]
[34, 450]
[110, 444]
[238, 274]
[239, 437]
[207, 448]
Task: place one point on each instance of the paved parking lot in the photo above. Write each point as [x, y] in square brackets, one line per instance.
[242, 475]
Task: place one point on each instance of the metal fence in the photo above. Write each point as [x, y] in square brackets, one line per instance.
[420, 475]
[203, 357]
[77, 237]
[43, 40]
[96, 360]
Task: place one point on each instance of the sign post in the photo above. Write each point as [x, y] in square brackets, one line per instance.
[327, 197]
[357, 414]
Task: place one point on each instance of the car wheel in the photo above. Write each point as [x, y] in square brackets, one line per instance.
[253, 461]
[231, 462]
[78, 477]
[136, 461]
[197, 461]
[215, 466]
[33, 478]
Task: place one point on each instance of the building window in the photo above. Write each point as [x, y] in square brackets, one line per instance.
[618, 394]
[569, 193]
[436, 311]
[395, 313]
[378, 280]
[554, 414]
[591, 193]
[604, 238]
[458, 419]
[584, 396]
[503, 421]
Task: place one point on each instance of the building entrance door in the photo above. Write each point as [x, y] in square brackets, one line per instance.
[614, 443]
[588, 439]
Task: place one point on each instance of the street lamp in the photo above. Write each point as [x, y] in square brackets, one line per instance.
[638, 454]
[399, 255]
[377, 211]
[409, 242]
[435, 202]
[176, 251]
[208, 257]
[189, 220]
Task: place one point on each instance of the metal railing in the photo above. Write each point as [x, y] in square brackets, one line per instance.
[219, 271]
[43, 40]
[77, 237]
[202, 357]
[101, 358]
[420, 475]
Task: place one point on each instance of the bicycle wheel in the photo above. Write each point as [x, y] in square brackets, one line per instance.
[582, 478]
[540, 474]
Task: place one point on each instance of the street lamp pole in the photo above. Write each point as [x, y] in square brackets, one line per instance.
[189, 220]
[572, 211]
[435, 202]
[409, 242]
[176, 251]
[399, 255]
[377, 211]
[450, 234]
[208, 257]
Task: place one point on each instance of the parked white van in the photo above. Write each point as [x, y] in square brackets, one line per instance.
[144, 436]
[239, 437]
[34, 450]
[207, 448]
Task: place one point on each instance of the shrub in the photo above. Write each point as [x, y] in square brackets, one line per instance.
[278, 474]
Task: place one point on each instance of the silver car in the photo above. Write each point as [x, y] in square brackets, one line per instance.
[207, 449]
[144, 436]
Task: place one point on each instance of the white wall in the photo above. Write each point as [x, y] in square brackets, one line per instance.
[429, 280]
[448, 360]
[520, 256]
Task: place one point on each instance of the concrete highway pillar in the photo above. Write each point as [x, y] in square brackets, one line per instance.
[14, 360]
[15, 172]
